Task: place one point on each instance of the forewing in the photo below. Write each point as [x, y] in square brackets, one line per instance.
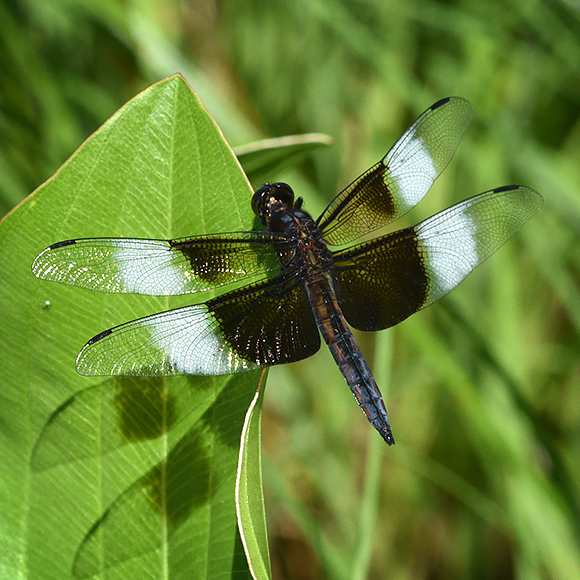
[160, 267]
[402, 177]
[382, 282]
[261, 324]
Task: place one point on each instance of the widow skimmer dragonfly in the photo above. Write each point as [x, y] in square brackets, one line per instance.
[306, 288]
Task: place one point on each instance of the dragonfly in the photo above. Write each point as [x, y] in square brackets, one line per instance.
[301, 278]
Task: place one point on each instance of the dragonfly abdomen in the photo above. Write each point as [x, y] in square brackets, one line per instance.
[347, 353]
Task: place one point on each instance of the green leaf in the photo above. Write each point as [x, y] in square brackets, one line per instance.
[262, 159]
[249, 496]
[120, 478]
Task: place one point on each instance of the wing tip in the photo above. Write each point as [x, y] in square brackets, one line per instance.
[85, 368]
[40, 262]
[529, 192]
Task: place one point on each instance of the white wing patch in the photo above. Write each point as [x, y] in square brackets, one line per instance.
[411, 167]
[136, 273]
[451, 246]
[196, 347]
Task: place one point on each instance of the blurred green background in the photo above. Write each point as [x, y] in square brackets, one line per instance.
[483, 389]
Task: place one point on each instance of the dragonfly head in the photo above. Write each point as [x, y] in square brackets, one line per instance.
[272, 198]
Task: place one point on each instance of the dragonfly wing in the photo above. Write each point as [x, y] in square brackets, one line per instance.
[266, 323]
[402, 177]
[160, 267]
[400, 273]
